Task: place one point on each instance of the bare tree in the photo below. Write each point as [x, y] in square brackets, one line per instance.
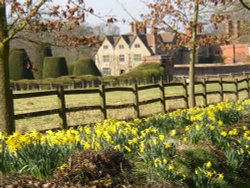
[186, 18]
[34, 16]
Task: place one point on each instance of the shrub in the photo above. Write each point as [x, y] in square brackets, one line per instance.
[86, 66]
[54, 67]
[19, 65]
[146, 70]
[42, 51]
[71, 68]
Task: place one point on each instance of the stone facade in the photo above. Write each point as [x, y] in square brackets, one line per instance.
[119, 54]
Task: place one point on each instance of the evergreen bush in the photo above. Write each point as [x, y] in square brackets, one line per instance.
[71, 68]
[145, 71]
[54, 67]
[42, 51]
[86, 66]
[20, 66]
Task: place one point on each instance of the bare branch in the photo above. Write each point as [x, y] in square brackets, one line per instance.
[244, 5]
[25, 22]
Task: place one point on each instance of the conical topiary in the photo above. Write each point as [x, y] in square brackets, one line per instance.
[54, 67]
[42, 51]
[20, 66]
[86, 66]
[71, 69]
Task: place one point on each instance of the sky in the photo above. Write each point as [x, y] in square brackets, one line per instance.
[122, 9]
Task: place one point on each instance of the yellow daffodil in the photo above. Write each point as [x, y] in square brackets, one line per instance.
[221, 176]
[171, 167]
[208, 164]
[209, 174]
[172, 132]
[223, 133]
[161, 137]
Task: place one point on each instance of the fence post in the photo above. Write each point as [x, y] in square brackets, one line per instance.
[248, 86]
[136, 101]
[12, 128]
[204, 92]
[62, 107]
[221, 89]
[185, 93]
[236, 89]
[15, 86]
[163, 103]
[103, 101]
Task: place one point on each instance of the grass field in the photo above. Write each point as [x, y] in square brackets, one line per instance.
[85, 117]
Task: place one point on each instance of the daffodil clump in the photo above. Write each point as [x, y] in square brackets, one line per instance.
[207, 177]
[152, 143]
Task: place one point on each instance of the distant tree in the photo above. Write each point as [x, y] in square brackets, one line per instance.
[102, 30]
[35, 16]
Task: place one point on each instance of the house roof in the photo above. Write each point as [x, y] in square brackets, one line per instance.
[128, 39]
[147, 39]
[167, 37]
[113, 39]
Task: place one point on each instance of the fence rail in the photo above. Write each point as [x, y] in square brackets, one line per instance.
[208, 76]
[62, 109]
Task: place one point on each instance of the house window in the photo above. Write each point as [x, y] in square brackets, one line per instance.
[121, 46]
[137, 57]
[106, 58]
[105, 47]
[137, 45]
[121, 58]
[106, 71]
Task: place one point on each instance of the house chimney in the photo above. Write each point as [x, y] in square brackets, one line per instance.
[143, 28]
[229, 28]
[133, 28]
[154, 38]
[237, 27]
[138, 28]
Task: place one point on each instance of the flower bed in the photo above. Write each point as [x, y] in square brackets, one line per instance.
[198, 147]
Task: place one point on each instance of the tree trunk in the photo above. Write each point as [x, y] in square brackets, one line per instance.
[193, 56]
[7, 122]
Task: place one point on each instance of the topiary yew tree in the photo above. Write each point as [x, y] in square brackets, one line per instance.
[42, 51]
[20, 66]
[86, 66]
[54, 67]
[34, 16]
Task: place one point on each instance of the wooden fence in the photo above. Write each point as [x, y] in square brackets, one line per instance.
[62, 110]
[215, 76]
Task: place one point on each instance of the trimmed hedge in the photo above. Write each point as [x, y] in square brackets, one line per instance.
[145, 71]
[86, 66]
[20, 66]
[42, 51]
[54, 67]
